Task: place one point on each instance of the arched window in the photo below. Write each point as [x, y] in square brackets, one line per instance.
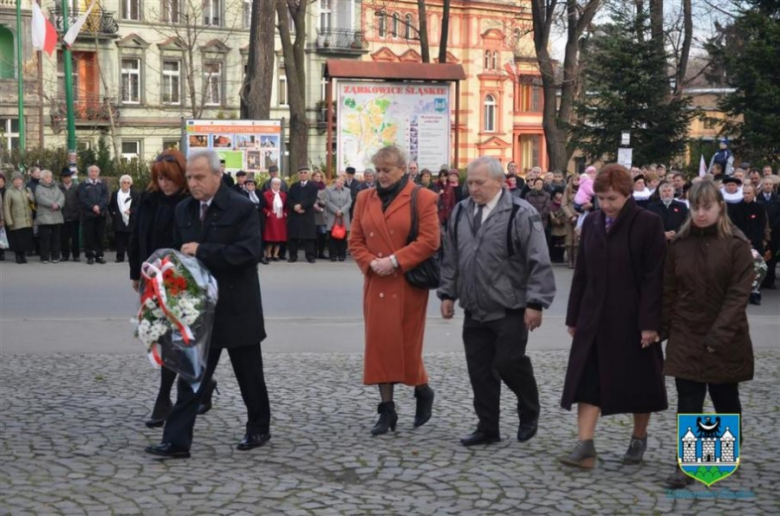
[382, 25]
[7, 60]
[487, 59]
[490, 114]
[409, 34]
[494, 61]
[394, 28]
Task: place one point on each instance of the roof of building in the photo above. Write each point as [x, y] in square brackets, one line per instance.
[348, 69]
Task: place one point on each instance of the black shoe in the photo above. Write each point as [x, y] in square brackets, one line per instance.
[205, 406]
[159, 413]
[76, 259]
[479, 437]
[424, 396]
[168, 451]
[100, 260]
[120, 260]
[19, 258]
[755, 299]
[264, 260]
[527, 430]
[275, 259]
[322, 256]
[387, 418]
[90, 261]
[65, 258]
[342, 258]
[253, 441]
[678, 480]
[333, 259]
[24, 259]
[292, 260]
[311, 260]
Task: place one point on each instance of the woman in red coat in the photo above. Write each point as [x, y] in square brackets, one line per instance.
[394, 311]
[275, 232]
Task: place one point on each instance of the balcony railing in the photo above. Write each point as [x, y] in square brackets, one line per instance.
[99, 22]
[90, 108]
[341, 40]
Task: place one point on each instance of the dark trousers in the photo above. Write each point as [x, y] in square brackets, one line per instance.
[725, 398]
[247, 364]
[322, 238]
[93, 229]
[309, 246]
[337, 248]
[121, 240]
[69, 238]
[49, 236]
[771, 273]
[495, 351]
[557, 248]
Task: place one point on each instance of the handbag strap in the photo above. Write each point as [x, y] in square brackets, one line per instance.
[415, 224]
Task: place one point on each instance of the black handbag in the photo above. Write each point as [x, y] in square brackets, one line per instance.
[425, 276]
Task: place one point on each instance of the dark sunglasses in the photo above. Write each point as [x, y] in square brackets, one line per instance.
[169, 158]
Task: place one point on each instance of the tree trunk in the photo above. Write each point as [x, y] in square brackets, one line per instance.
[256, 90]
[425, 48]
[294, 69]
[657, 23]
[445, 30]
[557, 115]
[109, 107]
[685, 51]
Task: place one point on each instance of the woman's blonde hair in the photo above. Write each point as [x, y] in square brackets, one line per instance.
[705, 193]
[390, 155]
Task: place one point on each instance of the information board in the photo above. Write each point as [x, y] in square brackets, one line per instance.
[249, 145]
[371, 115]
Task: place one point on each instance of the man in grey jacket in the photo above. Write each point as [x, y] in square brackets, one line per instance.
[496, 263]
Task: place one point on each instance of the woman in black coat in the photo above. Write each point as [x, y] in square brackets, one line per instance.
[121, 207]
[614, 316]
[152, 230]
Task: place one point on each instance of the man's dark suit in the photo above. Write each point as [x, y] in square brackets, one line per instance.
[301, 227]
[93, 225]
[230, 247]
[353, 185]
[772, 206]
[674, 216]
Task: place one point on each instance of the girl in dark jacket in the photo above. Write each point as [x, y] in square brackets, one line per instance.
[153, 230]
[707, 282]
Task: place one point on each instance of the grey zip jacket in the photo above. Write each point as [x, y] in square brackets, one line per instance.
[483, 274]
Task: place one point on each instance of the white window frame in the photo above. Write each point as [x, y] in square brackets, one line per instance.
[212, 13]
[487, 60]
[326, 15]
[129, 73]
[130, 156]
[171, 10]
[7, 136]
[281, 92]
[246, 14]
[127, 10]
[210, 79]
[167, 83]
[490, 110]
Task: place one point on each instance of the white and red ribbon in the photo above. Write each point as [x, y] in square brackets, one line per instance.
[153, 272]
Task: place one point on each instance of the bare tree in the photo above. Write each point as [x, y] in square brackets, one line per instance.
[425, 48]
[557, 116]
[445, 30]
[258, 83]
[294, 68]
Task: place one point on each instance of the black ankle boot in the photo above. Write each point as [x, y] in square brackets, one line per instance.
[160, 412]
[424, 396]
[205, 405]
[387, 418]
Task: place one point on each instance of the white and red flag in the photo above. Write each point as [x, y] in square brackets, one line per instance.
[44, 35]
[74, 30]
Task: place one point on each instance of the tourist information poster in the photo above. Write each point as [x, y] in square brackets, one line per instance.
[249, 145]
[415, 117]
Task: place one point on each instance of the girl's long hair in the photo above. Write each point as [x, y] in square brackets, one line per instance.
[706, 193]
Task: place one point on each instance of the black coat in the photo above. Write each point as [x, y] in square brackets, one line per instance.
[674, 216]
[93, 195]
[617, 293]
[354, 188]
[772, 207]
[302, 226]
[152, 225]
[750, 217]
[230, 248]
[72, 210]
[116, 212]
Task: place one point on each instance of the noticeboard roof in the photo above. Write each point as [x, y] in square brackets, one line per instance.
[347, 69]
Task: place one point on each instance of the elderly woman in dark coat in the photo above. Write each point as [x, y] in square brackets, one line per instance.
[707, 283]
[120, 207]
[614, 316]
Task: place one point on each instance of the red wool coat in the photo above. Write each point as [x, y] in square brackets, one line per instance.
[394, 311]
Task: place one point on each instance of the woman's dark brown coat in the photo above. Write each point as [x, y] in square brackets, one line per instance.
[616, 293]
[707, 283]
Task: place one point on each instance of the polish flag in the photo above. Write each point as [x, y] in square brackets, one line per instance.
[73, 32]
[702, 167]
[44, 35]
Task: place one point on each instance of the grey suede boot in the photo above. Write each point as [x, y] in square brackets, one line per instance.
[636, 450]
[582, 456]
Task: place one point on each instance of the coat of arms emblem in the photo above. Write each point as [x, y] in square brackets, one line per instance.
[708, 445]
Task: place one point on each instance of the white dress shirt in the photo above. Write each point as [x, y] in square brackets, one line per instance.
[489, 206]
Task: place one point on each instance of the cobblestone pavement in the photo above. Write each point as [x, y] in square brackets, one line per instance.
[72, 439]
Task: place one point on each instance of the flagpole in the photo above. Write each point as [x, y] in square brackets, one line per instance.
[67, 66]
[20, 75]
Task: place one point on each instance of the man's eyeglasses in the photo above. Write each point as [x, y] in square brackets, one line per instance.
[168, 158]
